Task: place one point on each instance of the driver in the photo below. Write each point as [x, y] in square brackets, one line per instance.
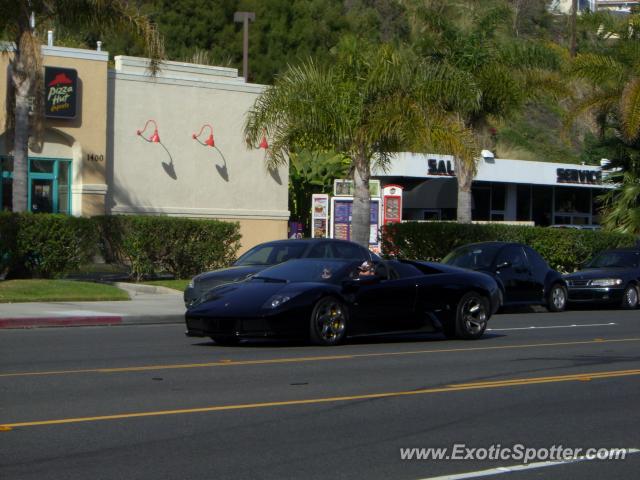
[367, 269]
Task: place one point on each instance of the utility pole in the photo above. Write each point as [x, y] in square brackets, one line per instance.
[245, 18]
[574, 21]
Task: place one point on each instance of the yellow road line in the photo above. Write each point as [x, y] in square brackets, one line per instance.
[231, 363]
[369, 396]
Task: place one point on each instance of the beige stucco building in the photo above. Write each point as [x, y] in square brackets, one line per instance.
[114, 170]
[67, 143]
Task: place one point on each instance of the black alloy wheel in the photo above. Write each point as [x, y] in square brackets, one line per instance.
[471, 317]
[328, 322]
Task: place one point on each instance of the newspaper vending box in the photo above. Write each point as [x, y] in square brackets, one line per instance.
[392, 204]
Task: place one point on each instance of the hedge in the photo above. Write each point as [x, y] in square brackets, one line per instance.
[46, 245]
[43, 245]
[181, 246]
[564, 249]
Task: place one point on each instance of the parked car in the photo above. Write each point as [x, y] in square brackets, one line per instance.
[326, 300]
[522, 274]
[611, 277]
[271, 253]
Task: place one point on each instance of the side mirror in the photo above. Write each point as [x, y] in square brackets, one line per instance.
[502, 265]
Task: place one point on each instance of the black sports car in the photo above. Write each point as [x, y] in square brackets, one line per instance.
[522, 274]
[271, 253]
[326, 300]
[612, 277]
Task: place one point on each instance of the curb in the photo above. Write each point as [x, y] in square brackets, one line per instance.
[32, 322]
[141, 288]
[87, 321]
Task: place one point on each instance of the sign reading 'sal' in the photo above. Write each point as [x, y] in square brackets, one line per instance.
[61, 92]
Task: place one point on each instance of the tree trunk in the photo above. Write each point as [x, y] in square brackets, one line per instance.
[464, 205]
[21, 141]
[361, 213]
[464, 176]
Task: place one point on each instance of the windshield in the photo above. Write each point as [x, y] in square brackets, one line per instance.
[474, 257]
[311, 270]
[614, 260]
[271, 254]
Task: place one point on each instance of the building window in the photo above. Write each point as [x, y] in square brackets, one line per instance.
[481, 203]
[432, 214]
[523, 203]
[49, 185]
[542, 205]
[498, 201]
[572, 206]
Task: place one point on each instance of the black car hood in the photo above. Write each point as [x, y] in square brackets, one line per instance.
[229, 274]
[591, 273]
[246, 299]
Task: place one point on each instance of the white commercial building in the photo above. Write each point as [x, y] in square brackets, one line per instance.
[503, 190]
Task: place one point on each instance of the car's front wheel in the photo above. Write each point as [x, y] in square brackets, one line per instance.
[557, 298]
[630, 298]
[328, 322]
[471, 317]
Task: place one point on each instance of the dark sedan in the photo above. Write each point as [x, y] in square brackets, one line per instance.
[611, 277]
[326, 300]
[271, 253]
[522, 274]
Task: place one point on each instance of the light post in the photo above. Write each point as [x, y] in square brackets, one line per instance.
[245, 18]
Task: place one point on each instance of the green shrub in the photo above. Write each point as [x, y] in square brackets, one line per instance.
[8, 242]
[564, 249]
[180, 246]
[44, 245]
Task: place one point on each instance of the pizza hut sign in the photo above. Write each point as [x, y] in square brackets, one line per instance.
[61, 92]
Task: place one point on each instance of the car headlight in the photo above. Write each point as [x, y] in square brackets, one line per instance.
[605, 282]
[277, 300]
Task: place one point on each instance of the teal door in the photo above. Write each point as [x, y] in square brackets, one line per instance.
[49, 180]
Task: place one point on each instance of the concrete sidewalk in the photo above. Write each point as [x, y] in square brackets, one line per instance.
[163, 306]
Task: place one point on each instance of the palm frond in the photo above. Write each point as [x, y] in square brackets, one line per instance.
[598, 69]
[441, 83]
[630, 110]
[599, 101]
[109, 15]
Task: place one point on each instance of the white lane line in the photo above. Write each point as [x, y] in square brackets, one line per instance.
[516, 468]
[553, 326]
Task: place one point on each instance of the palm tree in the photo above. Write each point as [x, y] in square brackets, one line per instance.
[476, 45]
[610, 70]
[366, 106]
[18, 21]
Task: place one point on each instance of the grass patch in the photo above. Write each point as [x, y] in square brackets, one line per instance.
[175, 284]
[14, 291]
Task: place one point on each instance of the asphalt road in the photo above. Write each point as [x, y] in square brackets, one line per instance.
[145, 402]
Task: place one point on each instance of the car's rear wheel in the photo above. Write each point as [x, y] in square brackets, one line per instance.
[471, 317]
[328, 322]
[557, 298]
[630, 298]
[227, 340]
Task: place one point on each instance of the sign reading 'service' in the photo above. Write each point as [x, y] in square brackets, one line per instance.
[61, 92]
